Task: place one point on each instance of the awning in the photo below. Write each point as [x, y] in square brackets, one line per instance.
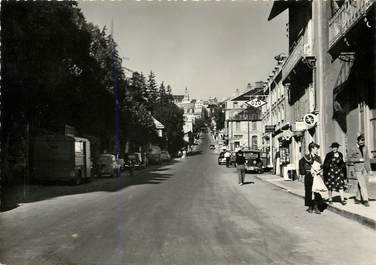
[277, 8]
[281, 5]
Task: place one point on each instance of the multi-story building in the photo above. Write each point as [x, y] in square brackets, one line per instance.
[277, 113]
[329, 73]
[347, 73]
[298, 74]
[243, 125]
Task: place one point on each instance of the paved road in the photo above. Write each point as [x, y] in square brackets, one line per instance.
[189, 212]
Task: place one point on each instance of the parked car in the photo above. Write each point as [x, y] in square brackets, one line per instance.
[233, 159]
[212, 147]
[165, 156]
[221, 158]
[154, 155]
[143, 160]
[253, 161]
[108, 166]
[132, 160]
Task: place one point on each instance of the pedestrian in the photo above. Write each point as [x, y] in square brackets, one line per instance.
[227, 156]
[335, 172]
[360, 158]
[311, 199]
[240, 166]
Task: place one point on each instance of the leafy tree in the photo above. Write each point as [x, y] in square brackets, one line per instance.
[219, 117]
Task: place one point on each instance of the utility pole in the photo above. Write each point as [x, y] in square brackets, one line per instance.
[115, 76]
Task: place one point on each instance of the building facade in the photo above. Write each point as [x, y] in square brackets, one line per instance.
[330, 74]
[243, 125]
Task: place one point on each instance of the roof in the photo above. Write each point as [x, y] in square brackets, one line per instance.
[248, 114]
[178, 97]
[245, 96]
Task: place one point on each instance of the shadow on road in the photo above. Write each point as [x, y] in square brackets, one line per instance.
[194, 153]
[15, 195]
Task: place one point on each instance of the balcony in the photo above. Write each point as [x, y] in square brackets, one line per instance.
[346, 18]
[302, 49]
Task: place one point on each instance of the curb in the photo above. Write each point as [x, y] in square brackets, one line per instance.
[370, 223]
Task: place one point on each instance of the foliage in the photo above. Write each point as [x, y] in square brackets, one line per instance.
[58, 69]
[219, 117]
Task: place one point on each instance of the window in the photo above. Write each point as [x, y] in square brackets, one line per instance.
[254, 142]
[254, 125]
[78, 147]
[237, 125]
[235, 105]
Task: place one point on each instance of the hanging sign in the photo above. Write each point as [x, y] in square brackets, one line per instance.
[269, 128]
[256, 103]
[310, 120]
[299, 126]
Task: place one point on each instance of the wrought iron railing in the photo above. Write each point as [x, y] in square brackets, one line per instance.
[302, 49]
[349, 14]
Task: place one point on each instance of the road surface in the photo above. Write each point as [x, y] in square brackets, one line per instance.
[191, 211]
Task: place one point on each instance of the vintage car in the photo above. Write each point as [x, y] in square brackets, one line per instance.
[253, 161]
[108, 166]
[222, 158]
[165, 156]
[135, 161]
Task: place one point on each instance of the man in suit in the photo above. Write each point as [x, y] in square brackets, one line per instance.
[360, 158]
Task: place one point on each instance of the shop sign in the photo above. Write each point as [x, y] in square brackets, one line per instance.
[310, 120]
[286, 135]
[269, 128]
[299, 126]
[256, 103]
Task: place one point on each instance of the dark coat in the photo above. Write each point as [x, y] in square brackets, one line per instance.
[327, 160]
[305, 164]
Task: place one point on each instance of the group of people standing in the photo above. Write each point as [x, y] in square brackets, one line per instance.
[334, 174]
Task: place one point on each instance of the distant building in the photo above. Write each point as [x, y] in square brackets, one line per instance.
[243, 125]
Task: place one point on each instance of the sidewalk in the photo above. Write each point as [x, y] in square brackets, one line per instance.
[356, 212]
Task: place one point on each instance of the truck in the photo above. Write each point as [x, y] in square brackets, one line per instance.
[60, 158]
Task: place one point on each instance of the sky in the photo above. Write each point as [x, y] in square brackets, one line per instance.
[211, 48]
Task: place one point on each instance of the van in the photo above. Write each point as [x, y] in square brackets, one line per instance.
[60, 158]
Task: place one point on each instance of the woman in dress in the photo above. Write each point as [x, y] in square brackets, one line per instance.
[335, 172]
[311, 199]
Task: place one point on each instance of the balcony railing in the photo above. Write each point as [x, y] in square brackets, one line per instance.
[302, 49]
[347, 17]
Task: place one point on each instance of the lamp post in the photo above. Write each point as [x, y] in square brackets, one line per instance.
[270, 122]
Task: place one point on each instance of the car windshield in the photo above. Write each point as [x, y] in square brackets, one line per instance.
[132, 157]
[251, 155]
[105, 159]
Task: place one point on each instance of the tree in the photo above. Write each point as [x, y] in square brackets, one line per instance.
[219, 117]
[152, 89]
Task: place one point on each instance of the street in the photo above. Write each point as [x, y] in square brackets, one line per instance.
[191, 211]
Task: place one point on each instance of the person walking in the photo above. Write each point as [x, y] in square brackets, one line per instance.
[335, 172]
[240, 166]
[311, 199]
[360, 158]
[227, 156]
